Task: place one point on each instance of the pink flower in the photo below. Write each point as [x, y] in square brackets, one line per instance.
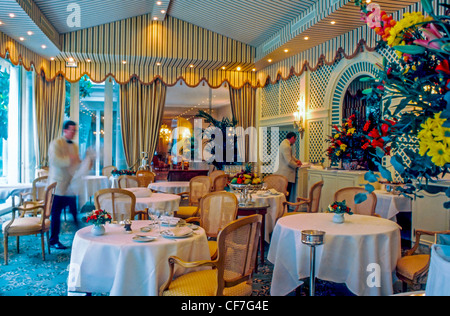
[431, 33]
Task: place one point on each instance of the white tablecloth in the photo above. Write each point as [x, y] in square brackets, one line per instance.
[389, 205]
[172, 187]
[438, 282]
[274, 211]
[160, 201]
[7, 190]
[352, 253]
[92, 184]
[115, 264]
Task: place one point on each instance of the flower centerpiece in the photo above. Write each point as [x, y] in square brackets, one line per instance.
[419, 83]
[98, 218]
[339, 209]
[346, 144]
[117, 172]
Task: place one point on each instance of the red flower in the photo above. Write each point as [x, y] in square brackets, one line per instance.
[443, 67]
[378, 143]
[374, 133]
[365, 146]
[384, 129]
[366, 126]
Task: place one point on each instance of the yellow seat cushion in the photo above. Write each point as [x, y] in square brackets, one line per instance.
[212, 248]
[204, 283]
[187, 211]
[409, 266]
[25, 225]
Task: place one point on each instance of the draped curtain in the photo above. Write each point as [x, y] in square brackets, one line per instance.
[243, 106]
[141, 108]
[50, 100]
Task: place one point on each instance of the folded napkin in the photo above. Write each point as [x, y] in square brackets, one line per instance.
[171, 220]
[178, 231]
[140, 192]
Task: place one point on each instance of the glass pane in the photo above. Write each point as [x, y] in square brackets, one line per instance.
[28, 131]
[4, 103]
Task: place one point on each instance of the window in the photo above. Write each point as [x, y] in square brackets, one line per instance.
[98, 112]
[17, 129]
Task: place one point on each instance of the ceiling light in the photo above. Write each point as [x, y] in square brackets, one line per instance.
[333, 22]
[269, 60]
[155, 18]
[223, 67]
[71, 59]
[22, 38]
[12, 15]
[158, 64]
[254, 69]
[158, 2]
[1, 22]
[163, 11]
[43, 46]
[30, 33]
[124, 62]
[306, 38]
[52, 58]
[238, 68]
[286, 50]
[192, 66]
[88, 60]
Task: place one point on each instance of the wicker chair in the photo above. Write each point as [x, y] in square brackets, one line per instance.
[106, 199]
[106, 171]
[277, 182]
[412, 269]
[199, 186]
[312, 203]
[365, 208]
[127, 181]
[37, 194]
[145, 177]
[231, 272]
[220, 182]
[216, 210]
[213, 175]
[23, 226]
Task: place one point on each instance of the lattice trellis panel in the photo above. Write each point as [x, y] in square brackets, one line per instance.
[270, 97]
[289, 95]
[316, 141]
[319, 82]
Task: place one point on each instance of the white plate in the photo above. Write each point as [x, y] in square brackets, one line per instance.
[175, 237]
[146, 229]
[193, 226]
[144, 238]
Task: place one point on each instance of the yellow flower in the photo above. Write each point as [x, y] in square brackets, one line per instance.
[343, 147]
[338, 153]
[351, 131]
[337, 136]
[409, 19]
[439, 153]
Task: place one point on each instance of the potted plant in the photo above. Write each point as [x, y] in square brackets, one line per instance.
[98, 218]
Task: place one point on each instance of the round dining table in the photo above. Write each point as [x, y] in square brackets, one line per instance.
[145, 199]
[390, 204]
[172, 187]
[116, 263]
[274, 211]
[91, 184]
[362, 252]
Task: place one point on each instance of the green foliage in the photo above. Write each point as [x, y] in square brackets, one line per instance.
[4, 101]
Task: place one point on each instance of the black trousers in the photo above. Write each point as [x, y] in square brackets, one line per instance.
[290, 189]
[60, 202]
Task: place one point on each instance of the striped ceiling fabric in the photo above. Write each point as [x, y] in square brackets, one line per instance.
[207, 34]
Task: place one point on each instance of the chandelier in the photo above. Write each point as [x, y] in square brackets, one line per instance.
[165, 133]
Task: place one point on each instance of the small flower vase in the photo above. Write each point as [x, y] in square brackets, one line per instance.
[98, 230]
[351, 165]
[338, 218]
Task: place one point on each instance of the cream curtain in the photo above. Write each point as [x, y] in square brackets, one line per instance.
[50, 99]
[141, 108]
[243, 106]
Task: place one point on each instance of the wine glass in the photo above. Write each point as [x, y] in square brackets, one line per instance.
[158, 214]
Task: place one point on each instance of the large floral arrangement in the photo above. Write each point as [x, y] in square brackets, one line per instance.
[346, 144]
[414, 92]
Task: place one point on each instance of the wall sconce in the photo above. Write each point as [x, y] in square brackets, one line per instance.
[165, 133]
[299, 116]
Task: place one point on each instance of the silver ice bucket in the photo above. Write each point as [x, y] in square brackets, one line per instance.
[312, 237]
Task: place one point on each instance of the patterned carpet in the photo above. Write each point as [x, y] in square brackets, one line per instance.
[27, 275]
